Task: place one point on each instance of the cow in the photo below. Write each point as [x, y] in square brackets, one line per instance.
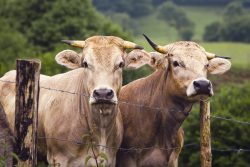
[6, 140]
[153, 108]
[79, 119]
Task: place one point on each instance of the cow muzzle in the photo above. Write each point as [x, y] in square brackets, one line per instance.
[200, 86]
[103, 95]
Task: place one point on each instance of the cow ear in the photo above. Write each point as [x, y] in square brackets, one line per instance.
[218, 66]
[158, 60]
[136, 58]
[69, 59]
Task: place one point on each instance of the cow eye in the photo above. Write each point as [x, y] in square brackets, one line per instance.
[207, 65]
[84, 64]
[176, 64]
[122, 64]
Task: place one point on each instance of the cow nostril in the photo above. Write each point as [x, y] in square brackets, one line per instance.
[110, 94]
[196, 84]
[96, 93]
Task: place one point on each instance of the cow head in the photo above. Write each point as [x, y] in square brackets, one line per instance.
[102, 58]
[187, 65]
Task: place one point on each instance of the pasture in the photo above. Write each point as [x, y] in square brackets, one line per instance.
[230, 118]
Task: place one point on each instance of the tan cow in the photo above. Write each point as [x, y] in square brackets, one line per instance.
[65, 118]
[6, 140]
[168, 94]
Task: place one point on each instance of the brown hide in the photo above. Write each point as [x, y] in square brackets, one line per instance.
[145, 127]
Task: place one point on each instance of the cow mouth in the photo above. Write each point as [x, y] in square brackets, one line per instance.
[104, 101]
[202, 95]
[104, 109]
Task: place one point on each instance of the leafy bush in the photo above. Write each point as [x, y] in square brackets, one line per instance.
[44, 23]
[176, 18]
[234, 27]
[34, 29]
[213, 32]
[138, 8]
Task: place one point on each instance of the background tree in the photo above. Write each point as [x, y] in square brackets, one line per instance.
[44, 23]
[135, 9]
[213, 32]
[234, 27]
[34, 28]
[177, 18]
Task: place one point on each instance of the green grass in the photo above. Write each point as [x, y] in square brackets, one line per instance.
[160, 30]
[162, 34]
[201, 17]
[239, 52]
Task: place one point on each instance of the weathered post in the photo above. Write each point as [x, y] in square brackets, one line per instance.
[26, 113]
[205, 138]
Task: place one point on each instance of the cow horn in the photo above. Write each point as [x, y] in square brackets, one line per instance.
[156, 47]
[79, 44]
[131, 45]
[211, 56]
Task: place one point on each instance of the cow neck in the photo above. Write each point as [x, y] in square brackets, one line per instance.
[174, 108]
[102, 126]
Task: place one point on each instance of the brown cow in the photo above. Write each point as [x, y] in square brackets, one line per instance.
[169, 93]
[65, 118]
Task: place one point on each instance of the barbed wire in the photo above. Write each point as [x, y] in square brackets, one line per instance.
[190, 145]
[197, 145]
[133, 104]
[118, 148]
[230, 119]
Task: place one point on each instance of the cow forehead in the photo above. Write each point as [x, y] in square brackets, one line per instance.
[187, 52]
[103, 41]
[104, 54]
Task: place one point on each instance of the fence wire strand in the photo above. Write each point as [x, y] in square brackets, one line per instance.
[236, 150]
[133, 104]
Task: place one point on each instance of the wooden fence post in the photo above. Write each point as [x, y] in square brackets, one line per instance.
[205, 136]
[26, 113]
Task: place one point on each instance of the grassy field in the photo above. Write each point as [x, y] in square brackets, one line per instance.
[201, 16]
[162, 34]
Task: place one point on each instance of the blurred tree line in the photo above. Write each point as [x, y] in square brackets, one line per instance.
[34, 28]
[235, 25]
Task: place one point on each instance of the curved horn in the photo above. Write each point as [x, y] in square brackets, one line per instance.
[156, 47]
[79, 44]
[211, 56]
[131, 45]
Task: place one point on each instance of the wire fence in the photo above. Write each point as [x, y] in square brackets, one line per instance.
[190, 145]
[134, 104]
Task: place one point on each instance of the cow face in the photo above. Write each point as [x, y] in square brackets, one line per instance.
[187, 65]
[102, 58]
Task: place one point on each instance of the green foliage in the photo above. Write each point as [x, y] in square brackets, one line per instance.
[175, 17]
[127, 23]
[235, 26]
[34, 29]
[212, 32]
[232, 101]
[135, 9]
[237, 29]
[234, 9]
[46, 23]
[12, 45]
